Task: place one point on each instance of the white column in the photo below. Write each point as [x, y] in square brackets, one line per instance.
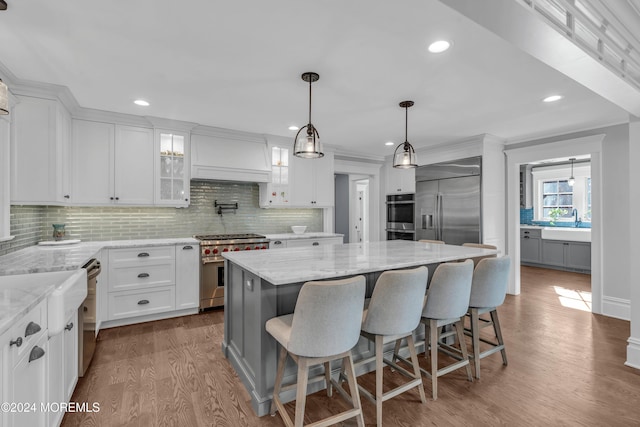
[633, 347]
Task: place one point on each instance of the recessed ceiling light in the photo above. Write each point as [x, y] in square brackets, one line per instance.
[552, 98]
[389, 143]
[439, 46]
[293, 128]
[141, 102]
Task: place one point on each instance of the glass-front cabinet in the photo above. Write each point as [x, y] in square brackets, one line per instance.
[173, 173]
[277, 192]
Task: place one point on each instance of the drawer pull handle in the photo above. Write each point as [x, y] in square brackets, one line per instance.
[277, 242]
[143, 254]
[526, 237]
[69, 327]
[36, 353]
[32, 328]
[17, 342]
[143, 302]
[143, 275]
[187, 247]
[316, 244]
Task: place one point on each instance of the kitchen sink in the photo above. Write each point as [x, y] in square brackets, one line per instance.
[566, 233]
[69, 293]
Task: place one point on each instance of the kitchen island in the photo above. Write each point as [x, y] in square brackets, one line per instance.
[264, 284]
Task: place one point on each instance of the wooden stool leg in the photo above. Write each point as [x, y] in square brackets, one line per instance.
[475, 338]
[433, 333]
[347, 365]
[279, 375]
[396, 350]
[498, 331]
[379, 370]
[459, 327]
[327, 378]
[301, 392]
[416, 366]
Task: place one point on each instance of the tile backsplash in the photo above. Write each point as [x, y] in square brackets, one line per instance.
[30, 224]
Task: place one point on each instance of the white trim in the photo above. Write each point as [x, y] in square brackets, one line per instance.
[564, 148]
[633, 353]
[616, 307]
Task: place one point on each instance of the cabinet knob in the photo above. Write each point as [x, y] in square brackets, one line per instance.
[17, 342]
[117, 198]
[143, 275]
[186, 200]
[66, 196]
[69, 327]
[36, 353]
[32, 328]
[143, 302]
[110, 198]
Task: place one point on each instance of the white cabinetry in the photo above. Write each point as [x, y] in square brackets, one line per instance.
[400, 180]
[112, 164]
[26, 369]
[312, 182]
[277, 192]
[39, 152]
[5, 188]
[172, 168]
[62, 367]
[304, 242]
[187, 277]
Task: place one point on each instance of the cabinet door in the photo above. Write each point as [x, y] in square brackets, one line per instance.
[400, 180]
[303, 182]
[324, 181]
[579, 255]
[134, 161]
[277, 193]
[530, 249]
[187, 276]
[172, 168]
[92, 145]
[27, 384]
[38, 147]
[56, 376]
[70, 347]
[553, 252]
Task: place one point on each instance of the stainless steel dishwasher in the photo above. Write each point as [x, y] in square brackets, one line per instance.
[87, 318]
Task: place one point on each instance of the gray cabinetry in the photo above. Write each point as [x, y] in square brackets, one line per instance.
[530, 245]
[578, 255]
[553, 252]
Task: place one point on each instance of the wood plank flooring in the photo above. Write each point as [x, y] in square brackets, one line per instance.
[566, 367]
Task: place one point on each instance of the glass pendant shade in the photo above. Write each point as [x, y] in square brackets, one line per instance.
[404, 157]
[307, 142]
[4, 99]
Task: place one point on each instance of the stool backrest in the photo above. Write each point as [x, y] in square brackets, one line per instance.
[477, 259]
[449, 291]
[396, 302]
[437, 242]
[490, 280]
[327, 317]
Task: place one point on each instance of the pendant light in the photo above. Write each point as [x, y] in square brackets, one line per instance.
[405, 158]
[572, 180]
[307, 145]
[4, 99]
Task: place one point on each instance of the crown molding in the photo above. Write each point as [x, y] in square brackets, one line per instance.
[223, 133]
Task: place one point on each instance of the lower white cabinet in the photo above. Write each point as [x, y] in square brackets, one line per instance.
[304, 242]
[187, 277]
[62, 368]
[140, 302]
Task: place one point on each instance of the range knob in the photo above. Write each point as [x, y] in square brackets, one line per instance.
[215, 251]
[236, 249]
[248, 248]
[207, 251]
[225, 250]
[264, 247]
[257, 247]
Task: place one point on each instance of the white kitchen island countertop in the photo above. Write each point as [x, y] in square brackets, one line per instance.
[293, 265]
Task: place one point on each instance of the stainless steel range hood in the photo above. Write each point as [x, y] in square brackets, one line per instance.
[229, 156]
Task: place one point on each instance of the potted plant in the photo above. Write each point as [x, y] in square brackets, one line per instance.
[555, 213]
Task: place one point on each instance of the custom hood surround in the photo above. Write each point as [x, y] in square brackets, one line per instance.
[229, 156]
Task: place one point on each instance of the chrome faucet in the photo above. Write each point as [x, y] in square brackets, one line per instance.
[577, 220]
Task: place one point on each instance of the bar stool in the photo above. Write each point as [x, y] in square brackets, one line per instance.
[490, 280]
[324, 326]
[392, 315]
[437, 242]
[447, 303]
[482, 246]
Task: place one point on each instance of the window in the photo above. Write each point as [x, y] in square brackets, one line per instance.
[587, 212]
[557, 194]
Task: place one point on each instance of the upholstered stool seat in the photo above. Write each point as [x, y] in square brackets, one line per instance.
[324, 326]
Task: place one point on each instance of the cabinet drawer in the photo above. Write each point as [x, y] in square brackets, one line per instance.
[531, 232]
[299, 243]
[144, 276]
[141, 302]
[18, 332]
[141, 256]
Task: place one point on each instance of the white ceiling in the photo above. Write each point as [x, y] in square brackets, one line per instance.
[237, 65]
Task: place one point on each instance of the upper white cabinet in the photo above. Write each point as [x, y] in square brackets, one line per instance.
[172, 167]
[277, 192]
[312, 182]
[39, 152]
[5, 127]
[112, 164]
[400, 180]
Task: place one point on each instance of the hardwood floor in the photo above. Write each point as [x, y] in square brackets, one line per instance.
[566, 367]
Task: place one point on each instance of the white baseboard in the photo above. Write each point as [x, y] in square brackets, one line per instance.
[616, 307]
[633, 353]
[148, 318]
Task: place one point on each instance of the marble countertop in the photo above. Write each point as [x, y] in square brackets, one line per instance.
[310, 235]
[293, 265]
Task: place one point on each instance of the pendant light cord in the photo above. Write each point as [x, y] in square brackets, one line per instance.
[406, 124]
[310, 127]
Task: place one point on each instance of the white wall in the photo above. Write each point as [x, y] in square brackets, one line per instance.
[633, 160]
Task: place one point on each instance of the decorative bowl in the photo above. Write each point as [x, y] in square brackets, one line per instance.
[298, 229]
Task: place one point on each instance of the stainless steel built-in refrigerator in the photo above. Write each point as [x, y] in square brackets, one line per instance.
[448, 201]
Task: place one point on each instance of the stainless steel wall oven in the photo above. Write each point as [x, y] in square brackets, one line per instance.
[400, 217]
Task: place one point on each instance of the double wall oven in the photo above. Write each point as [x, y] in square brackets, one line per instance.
[212, 247]
[401, 217]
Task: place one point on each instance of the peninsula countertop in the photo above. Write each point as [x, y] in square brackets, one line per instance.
[293, 265]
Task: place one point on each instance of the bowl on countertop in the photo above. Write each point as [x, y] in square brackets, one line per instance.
[298, 229]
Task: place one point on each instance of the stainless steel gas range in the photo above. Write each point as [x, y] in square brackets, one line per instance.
[212, 247]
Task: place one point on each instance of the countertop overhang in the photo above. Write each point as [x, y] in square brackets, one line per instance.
[294, 265]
